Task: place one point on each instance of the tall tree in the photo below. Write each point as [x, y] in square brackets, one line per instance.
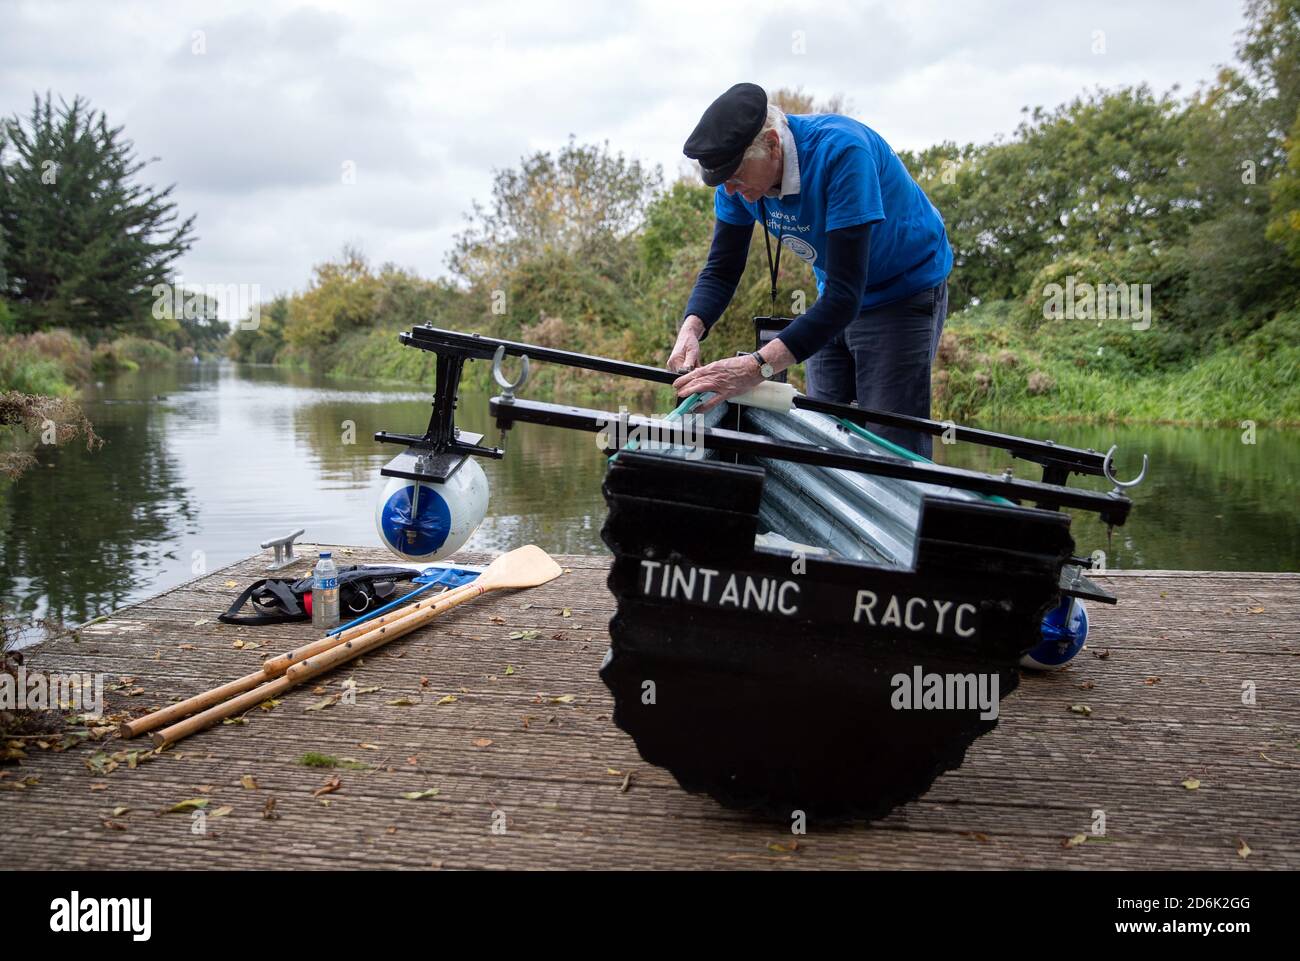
[581, 201]
[85, 240]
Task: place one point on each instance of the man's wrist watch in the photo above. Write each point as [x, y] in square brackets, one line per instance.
[764, 368]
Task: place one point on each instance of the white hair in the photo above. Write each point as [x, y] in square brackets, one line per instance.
[760, 147]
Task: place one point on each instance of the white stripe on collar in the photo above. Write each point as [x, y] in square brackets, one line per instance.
[789, 161]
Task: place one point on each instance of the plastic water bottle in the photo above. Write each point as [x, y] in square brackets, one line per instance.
[325, 593]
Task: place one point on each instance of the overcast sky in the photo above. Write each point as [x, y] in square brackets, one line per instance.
[426, 99]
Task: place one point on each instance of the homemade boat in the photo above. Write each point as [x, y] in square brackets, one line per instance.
[811, 622]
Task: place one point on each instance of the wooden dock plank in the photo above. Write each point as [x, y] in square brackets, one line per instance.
[1166, 704]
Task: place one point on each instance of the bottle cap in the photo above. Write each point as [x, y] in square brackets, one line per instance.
[326, 554]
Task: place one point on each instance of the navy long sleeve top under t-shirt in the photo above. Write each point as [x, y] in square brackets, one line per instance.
[847, 253]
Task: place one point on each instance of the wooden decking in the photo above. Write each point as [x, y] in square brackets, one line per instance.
[528, 743]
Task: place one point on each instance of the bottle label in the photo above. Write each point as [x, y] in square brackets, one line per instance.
[328, 583]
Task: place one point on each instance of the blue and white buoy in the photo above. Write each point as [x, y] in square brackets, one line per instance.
[1065, 629]
[425, 521]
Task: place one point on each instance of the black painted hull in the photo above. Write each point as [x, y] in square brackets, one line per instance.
[770, 680]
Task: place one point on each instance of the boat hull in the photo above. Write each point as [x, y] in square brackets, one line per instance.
[790, 684]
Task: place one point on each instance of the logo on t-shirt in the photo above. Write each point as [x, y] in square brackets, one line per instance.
[800, 248]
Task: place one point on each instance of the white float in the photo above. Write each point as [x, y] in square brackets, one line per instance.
[425, 521]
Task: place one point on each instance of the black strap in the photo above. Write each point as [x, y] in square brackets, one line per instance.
[773, 266]
[281, 591]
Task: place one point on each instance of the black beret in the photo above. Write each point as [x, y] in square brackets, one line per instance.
[726, 130]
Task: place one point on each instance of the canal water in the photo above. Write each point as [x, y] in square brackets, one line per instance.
[202, 463]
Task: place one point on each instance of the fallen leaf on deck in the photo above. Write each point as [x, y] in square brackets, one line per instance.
[1075, 841]
[1101, 655]
[523, 635]
[323, 703]
[561, 699]
[222, 811]
[120, 810]
[248, 782]
[627, 783]
[99, 785]
[200, 622]
[115, 825]
[419, 795]
[193, 804]
[1191, 784]
[978, 836]
[779, 848]
[448, 699]
[1087, 686]
[566, 613]
[498, 620]
[369, 747]
[509, 670]
[270, 704]
[482, 742]
[268, 810]
[610, 771]
[231, 584]
[1255, 610]
[1083, 709]
[329, 787]
[1243, 848]
[234, 720]
[401, 702]
[237, 644]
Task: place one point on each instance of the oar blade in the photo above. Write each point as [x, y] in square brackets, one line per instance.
[528, 566]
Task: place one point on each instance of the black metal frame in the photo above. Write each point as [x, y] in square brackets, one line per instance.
[1058, 461]
[442, 448]
[1113, 508]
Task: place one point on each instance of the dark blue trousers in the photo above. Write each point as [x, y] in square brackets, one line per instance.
[883, 359]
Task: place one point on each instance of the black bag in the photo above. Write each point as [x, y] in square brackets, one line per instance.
[278, 600]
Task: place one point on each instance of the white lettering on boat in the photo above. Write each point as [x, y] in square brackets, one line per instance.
[912, 613]
[680, 582]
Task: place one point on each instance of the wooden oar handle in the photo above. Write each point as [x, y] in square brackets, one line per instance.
[305, 670]
[360, 645]
[275, 666]
[188, 706]
[236, 705]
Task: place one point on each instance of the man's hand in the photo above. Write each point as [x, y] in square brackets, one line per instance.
[686, 352]
[726, 378]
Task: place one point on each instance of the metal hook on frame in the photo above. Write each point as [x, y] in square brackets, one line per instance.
[1110, 476]
[498, 374]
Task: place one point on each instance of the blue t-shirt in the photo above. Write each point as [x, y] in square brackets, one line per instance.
[848, 175]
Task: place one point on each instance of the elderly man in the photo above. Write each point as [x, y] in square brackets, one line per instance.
[832, 191]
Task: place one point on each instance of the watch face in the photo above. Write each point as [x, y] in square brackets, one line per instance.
[767, 371]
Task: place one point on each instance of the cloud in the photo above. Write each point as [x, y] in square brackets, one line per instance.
[427, 100]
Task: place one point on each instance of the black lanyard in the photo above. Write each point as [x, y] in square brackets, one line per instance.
[773, 266]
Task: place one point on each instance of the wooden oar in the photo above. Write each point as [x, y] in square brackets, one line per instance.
[526, 567]
[275, 666]
[271, 668]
